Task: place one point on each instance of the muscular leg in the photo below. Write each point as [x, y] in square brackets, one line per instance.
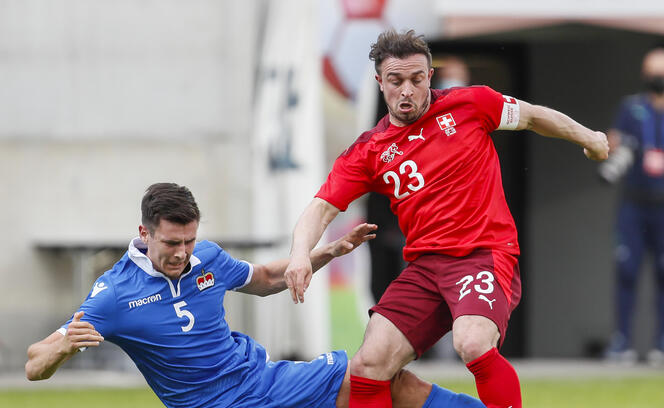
[475, 339]
[409, 391]
[384, 351]
[474, 336]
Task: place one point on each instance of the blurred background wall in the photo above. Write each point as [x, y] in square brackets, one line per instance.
[99, 99]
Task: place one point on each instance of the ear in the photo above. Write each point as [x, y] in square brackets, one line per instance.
[379, 79]
[143, 233]
[430, 74]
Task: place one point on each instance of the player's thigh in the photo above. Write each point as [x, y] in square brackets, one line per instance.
[299, 384]
[415, 307]
[385, 349]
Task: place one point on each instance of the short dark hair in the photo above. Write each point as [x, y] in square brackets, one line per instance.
[170, 202]
[398, 45]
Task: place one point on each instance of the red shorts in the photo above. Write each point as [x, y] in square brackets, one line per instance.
[435, 289]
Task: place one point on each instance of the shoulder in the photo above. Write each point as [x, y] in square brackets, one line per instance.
[365, 137]
[635, 106]
[473, 93]
[207, 250]
[634, 99]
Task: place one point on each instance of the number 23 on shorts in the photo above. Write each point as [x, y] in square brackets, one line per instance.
[484, 284]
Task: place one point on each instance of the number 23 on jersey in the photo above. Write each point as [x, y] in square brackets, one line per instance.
[413, 179]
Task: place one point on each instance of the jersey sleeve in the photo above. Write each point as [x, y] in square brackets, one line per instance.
[99, 308]
[235, 273]
[347, 181]
[496, 111]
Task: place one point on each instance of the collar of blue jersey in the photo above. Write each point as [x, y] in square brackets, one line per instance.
[143, 262]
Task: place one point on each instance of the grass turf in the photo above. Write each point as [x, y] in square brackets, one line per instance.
[644, 392]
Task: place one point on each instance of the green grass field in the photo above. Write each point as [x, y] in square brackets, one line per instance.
[647, 392]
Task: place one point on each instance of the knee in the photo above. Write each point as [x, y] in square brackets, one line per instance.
[469, 348]
[366, 362]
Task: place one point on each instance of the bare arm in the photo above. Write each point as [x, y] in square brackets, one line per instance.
[269, 279]
[551, 123]
[308, 230]
[46, 356]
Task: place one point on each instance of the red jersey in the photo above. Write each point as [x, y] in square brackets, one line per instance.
[441, 174]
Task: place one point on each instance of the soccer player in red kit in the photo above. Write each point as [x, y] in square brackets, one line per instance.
[433, 157]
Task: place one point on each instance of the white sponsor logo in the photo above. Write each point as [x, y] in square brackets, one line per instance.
[490, 302]
[144, 301]
[388, 155]
[415, 137]
[99, 286]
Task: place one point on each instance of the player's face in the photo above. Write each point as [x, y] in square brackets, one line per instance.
[405, 85]
[170, 246]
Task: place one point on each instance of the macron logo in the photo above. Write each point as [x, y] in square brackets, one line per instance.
[99, 286]
[144, 301]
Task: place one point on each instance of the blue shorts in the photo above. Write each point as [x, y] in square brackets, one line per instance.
[299, 384]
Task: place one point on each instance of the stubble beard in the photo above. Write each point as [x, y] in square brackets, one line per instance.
[410, 117]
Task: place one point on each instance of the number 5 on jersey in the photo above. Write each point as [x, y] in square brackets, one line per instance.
[415, 179]
[184, 313]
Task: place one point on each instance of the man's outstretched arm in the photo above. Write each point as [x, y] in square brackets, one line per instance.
[551, 123]
[46, 356]
[269, 278]
[308, 230]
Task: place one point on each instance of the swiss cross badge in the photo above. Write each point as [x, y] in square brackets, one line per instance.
[446, 123]
[206, 280]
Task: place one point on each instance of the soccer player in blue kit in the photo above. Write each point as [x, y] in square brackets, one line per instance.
[162, 303]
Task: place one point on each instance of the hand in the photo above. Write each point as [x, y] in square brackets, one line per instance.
[352, 240]
[598, 148]
[297, 277]
[80, 334]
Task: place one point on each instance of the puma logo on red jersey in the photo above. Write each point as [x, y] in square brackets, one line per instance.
[388, 155]
[415, 137]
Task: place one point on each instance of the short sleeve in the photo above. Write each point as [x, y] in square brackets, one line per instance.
[495, 110]
[99, 308]
[234, 273]
[347, 181]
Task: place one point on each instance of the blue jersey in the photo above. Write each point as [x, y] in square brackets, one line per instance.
[176, 334]
[642, 129]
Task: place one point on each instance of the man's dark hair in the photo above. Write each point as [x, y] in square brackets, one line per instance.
[398, 45]
[170, 202]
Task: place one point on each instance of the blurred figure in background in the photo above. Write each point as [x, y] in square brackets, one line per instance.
[637, 146]
[451, 72]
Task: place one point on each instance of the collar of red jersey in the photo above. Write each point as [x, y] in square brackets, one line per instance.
[142, 261]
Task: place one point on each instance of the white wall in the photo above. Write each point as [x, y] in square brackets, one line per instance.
[98, 100]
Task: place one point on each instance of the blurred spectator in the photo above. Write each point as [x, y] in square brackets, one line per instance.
[451, 72]
[637, 146]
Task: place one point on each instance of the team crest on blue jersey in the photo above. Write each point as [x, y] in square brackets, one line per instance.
[206, 280]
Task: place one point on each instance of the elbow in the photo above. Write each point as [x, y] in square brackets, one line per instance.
[31, 373]
[34, 371]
